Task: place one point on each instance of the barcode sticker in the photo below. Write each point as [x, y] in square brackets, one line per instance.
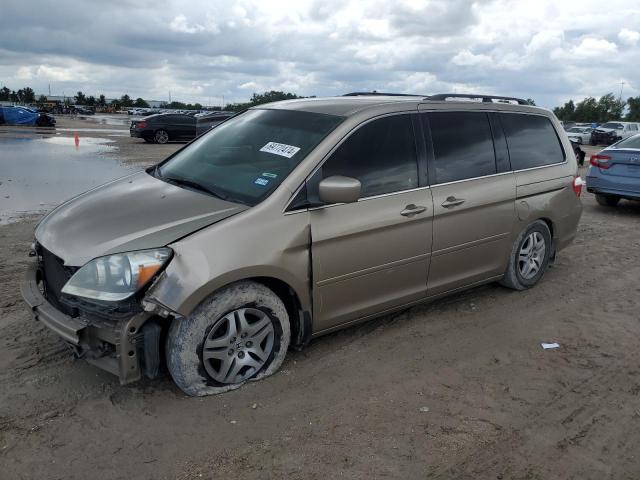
[280, 149]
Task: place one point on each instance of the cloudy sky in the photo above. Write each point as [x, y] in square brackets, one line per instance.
[203, 50]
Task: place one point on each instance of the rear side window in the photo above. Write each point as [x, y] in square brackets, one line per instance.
[532, 141]
[381, 154]
[462, 146]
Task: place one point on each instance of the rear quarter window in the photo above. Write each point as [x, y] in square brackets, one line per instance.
[532, 141]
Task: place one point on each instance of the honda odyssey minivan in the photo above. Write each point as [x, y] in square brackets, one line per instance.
[296, 218]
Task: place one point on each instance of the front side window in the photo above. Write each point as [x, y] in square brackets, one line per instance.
[532, 140]
[462, 146]
[381, 154]
[247, 157]
[613, 125]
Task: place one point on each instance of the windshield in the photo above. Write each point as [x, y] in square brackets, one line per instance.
[245, 158]
[615, 126]
[631, 142]
[575, 130]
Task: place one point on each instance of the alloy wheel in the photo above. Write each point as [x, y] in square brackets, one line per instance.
[161, 136]
[238, 345]
[531, 255]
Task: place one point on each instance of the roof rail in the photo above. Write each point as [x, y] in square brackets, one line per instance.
[470, 96]
[364, 94]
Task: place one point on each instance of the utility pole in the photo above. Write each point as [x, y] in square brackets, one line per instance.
[621, 86]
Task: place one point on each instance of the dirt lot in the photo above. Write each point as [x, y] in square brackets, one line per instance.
[455, 389]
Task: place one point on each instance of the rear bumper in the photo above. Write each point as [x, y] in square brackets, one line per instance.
[624, 187]
[116, 347]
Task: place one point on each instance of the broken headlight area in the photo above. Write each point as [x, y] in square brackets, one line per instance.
[116, 278]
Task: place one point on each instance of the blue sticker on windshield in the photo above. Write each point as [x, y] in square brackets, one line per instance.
[261, 181]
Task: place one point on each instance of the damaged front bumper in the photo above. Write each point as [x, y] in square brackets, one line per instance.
[127, 348]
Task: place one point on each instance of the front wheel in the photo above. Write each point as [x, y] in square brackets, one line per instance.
[161, 136]
[607, 200]
[240, 333]
[529, 257]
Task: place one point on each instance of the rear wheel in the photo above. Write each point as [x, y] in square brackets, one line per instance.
[161, 136]
[607, 200]
[240, 333]
[529, 257]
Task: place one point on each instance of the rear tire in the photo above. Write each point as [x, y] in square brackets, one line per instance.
[607, 200]
[529, 257]
[161, 136]
[240, 333]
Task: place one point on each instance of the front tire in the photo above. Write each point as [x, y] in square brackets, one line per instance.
[607, 200]
[161, 136]
[240, 333]
[529, 257]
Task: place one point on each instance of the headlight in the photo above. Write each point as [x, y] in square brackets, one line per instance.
[117, 277]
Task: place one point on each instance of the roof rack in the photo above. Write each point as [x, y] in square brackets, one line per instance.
[364, 94]
[470, 96]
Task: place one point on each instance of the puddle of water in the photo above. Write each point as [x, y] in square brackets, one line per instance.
[94, 130]
[36, 174]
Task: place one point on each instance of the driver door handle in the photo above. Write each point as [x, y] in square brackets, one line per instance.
[412, 209]
[452, 202]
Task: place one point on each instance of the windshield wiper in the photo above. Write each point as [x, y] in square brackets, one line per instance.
[195, 185]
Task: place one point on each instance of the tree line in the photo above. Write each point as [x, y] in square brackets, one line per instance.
[608, 107]
[27, 96]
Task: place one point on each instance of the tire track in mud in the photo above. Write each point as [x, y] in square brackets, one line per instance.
[571, 418]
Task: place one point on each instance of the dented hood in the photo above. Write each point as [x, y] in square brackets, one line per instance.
[133, 213]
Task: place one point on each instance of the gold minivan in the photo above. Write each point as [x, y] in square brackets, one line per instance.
[296, 218]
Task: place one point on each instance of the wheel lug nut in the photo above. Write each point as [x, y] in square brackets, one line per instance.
[230, 351]
[243, 334]
[233, 339]
[249, 343]
[240, 354]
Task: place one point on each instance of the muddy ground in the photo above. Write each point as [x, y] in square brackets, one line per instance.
[460, 388]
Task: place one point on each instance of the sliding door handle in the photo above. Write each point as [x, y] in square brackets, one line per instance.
[452, 202]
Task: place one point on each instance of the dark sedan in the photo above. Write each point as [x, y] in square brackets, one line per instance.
[166, 127]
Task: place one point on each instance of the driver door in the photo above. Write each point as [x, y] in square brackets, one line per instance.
[371, 255]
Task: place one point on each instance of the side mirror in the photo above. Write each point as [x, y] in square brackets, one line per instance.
[338, 189]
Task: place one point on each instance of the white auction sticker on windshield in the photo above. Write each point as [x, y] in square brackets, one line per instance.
[281, 149]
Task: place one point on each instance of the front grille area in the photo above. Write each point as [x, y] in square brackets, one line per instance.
[55, 275]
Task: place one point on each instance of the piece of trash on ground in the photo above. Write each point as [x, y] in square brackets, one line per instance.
[547, 346]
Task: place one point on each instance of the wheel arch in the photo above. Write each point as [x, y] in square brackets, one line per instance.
[300, 319]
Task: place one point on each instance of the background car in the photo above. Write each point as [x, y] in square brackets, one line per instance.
[578, 152]
[25, 116]
[614, 172]
[611, 132]
[164, 127]
[579, 134]
[206, 122]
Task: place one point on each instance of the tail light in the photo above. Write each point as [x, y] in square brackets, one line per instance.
[600, 161]
[577, 185]
[141, 125]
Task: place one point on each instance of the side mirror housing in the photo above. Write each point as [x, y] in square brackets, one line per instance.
[338, 189]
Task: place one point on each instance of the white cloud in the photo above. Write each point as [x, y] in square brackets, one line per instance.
[467, 59]
[180, 24]
[594, 48]
[629, 37]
